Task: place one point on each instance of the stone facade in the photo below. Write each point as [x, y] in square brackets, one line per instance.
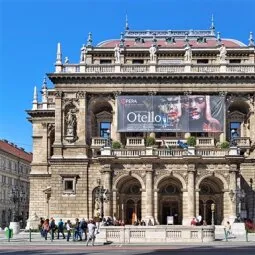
[14, 179]
[76, 165]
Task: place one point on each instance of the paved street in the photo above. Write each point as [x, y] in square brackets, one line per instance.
[20, 245]
[129, 250]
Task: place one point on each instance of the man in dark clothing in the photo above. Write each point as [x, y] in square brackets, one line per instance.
[52, 228]
[84, 228]
[61, 228]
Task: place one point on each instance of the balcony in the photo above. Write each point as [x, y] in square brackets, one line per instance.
[160, 68]
[165, 148]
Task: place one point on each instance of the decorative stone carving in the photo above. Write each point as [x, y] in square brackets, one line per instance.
[58, 94]
[80, 94]
[188, 54]
[153, 51]
[71, 125]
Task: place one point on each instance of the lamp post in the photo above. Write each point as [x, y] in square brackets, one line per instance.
[17, 196]
[108, 132]
[101, 196]
[252, 194]
[213, 210]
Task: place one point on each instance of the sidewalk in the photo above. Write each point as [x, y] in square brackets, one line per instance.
[36, 240]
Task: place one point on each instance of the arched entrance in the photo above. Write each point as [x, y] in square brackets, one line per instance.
[170, 200]
[211, 193]
[129, 200]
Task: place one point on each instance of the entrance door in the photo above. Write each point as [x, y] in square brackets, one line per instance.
[130, 212]
[170, 208]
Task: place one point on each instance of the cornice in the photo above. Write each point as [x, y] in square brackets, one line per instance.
[86, 78]
[41, 113]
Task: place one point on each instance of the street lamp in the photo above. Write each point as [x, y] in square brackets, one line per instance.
[101, 196]
[238, 196]
[213, 210]
[108, 132]
[252, 193]
[16, 196]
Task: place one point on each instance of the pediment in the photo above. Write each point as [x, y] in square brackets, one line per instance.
[104, 115]
[236, 115]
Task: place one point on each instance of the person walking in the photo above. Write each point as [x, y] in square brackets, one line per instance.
[68, 229]
[61, 229]
[91, 232]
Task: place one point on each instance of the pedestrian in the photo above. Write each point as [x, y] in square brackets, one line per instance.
[77, 232]
[53, 228]
[68, 229]
[83, 228]
[46, 228]
[91, 232]
[61, 229]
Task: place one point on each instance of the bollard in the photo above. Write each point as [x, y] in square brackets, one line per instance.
[30, 234]
[246, 234]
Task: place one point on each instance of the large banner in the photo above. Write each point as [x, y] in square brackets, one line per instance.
[193, 113]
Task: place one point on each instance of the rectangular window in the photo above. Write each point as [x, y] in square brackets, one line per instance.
[235, 61]
[69, 185]
[137, 61]
[105, 127]
[235, 130]
[105, 61]
[202, 61]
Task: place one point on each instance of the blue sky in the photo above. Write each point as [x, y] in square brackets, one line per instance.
[30, 30]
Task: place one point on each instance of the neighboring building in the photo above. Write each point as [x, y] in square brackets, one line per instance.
[147, 83]
[14, 178]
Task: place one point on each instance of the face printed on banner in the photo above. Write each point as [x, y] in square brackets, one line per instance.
[197, 105]
[173, 108]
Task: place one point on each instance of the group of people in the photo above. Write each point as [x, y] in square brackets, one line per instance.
[67, 229]
[198, 221]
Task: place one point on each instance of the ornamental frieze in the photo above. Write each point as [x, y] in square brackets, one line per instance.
[80, 94]
[67, 101]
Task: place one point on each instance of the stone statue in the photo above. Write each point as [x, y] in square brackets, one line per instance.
[153, 51]
[71, 123]
[188, 54]
[66, 60]
[223, 53]
[117, 54]
[83, 54]
[97, 208]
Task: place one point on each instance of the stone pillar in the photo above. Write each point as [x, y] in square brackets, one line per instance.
[57, 146]
[115, 135]
[149, 197]
[232, 190]
[82, 117]
[191, 192]
[107, 185]
[156, 209]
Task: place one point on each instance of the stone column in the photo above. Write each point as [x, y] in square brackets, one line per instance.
[191, 191]
[57, 153]
[149, 196]
[107, 185]
[115, 134]
[82, 117]
[156, 209]
[232, 190]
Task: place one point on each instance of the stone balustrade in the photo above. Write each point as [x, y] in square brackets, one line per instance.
[135, 141]
[159, 68]
[168, 152]
[98, 141]
[243, 141]
[156, 234]
[205, 141]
